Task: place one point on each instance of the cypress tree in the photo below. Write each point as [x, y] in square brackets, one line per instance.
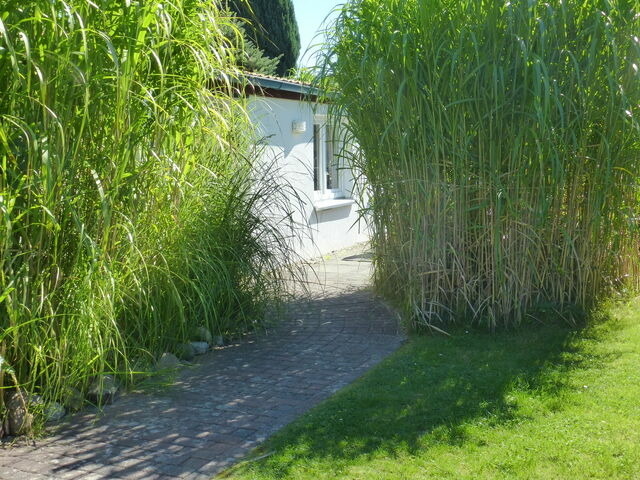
[273, 28]
[248, 56]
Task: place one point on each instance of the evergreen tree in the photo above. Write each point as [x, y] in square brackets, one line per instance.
[273, 27]
[248, 56]
[254, 60]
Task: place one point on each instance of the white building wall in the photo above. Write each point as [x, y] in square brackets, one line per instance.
[326, 224]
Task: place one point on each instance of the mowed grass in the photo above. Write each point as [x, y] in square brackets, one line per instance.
[533, 403]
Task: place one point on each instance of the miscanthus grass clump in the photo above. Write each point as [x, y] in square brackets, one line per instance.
[501, 143]
[129, 205]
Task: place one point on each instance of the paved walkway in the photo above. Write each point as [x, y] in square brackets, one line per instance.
[232, 399]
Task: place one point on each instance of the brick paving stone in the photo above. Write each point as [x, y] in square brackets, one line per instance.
[232, 399]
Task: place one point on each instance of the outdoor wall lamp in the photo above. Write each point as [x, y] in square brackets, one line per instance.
[298, 126]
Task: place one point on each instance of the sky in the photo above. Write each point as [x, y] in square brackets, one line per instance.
[311, 15]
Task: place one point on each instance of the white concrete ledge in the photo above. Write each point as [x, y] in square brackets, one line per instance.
[322, 205]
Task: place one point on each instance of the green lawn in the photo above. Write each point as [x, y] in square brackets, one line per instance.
[537, 403]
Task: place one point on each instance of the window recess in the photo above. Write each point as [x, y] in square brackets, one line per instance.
[326, 169]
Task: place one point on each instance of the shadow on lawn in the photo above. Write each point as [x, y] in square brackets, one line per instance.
[429, 391]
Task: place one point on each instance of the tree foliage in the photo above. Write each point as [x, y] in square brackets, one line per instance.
[247, 54]
[272, 26]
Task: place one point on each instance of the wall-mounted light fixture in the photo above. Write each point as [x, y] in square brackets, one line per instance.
[298, 126]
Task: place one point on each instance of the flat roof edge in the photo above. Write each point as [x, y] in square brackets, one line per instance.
[282, 84]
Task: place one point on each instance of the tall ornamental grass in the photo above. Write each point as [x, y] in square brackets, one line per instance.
[129, 205]
[501, 144]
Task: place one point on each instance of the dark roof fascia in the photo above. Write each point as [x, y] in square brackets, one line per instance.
[280, 88]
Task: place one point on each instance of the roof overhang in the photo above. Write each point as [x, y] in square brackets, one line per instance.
[279, 88]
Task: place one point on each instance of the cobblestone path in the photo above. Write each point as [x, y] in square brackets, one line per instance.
[233, 397]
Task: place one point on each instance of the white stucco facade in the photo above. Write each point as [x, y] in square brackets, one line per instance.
[328, 217]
